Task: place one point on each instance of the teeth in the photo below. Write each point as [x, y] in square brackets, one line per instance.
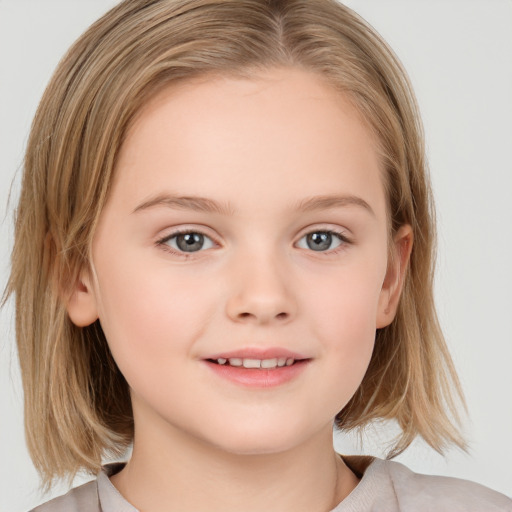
[252, 363]
[257, 363]
[269, 363]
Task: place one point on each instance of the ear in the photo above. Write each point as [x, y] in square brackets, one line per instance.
[81, 304]
[395, 274]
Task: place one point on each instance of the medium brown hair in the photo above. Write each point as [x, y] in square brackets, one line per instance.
[77, 403]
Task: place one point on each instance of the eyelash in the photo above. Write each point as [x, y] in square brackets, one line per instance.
[162, 243]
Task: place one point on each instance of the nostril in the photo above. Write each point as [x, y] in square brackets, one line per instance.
[279, 316]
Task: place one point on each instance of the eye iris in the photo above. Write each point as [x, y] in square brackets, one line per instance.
[319, 241]
[190, 242]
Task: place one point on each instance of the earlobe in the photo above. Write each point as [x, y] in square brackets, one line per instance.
[395, 275]
[81, 304]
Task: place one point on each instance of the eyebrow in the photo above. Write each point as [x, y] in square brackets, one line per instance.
[203, 204]
[333, 201]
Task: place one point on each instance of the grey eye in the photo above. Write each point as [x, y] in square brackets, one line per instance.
[320, 241]
[190, 242]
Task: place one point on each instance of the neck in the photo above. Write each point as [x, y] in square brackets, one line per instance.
[173, 471]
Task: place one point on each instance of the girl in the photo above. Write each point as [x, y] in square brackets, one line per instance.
[217, 256]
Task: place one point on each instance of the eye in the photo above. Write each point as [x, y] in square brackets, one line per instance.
[189, 241]
[321, 241]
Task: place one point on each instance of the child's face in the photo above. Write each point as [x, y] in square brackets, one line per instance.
[277, 183]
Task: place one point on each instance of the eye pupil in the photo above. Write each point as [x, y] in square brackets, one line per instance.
[319, 241]
[190, 242]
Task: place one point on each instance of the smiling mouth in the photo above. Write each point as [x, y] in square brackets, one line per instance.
[251, 363]
[267, 371]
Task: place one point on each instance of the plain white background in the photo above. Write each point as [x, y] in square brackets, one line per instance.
[459, 56]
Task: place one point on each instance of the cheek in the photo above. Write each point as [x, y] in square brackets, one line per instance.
[150, 316]
[344, 316]
[345, 304]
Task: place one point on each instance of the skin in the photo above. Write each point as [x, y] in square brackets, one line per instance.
[260, 148]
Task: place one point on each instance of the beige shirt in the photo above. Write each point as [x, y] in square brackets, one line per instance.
[385, 486]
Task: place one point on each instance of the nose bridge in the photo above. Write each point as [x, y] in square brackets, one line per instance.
[260, 288]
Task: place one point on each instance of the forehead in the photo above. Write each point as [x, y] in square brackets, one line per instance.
[281, 133]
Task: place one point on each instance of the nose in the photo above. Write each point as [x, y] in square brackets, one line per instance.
[260, 292]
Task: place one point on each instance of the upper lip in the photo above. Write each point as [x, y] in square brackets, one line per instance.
[258, 353]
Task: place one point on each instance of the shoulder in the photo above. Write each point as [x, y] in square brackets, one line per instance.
[420, 492]
[80, 499]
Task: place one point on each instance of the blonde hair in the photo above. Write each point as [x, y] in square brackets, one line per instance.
[77, 403]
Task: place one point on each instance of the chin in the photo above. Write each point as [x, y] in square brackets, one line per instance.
[258, 440]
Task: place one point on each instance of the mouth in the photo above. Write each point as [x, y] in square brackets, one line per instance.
[252, 363]
[257, 368]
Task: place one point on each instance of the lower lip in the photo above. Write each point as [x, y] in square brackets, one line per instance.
[259, 378]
